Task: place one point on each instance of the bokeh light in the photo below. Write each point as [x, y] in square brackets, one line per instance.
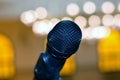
[119, 7]
[87, 33]
[54, 21]
[41, 12]
[100, 32]
[107, 20]
[97, 32]
[81, 21]
[67, 18]
[42, 27]
[89, 7]
[117, 20]
[28, 17]
[108, 7]
[94, 20]
[72, 9]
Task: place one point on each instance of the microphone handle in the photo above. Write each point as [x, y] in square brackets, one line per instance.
[48, 67]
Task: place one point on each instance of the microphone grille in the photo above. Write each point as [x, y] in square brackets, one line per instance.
[64, 39]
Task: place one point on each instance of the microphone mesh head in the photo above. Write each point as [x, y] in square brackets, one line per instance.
[64, 39]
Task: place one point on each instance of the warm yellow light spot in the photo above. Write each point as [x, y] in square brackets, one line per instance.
[7, 69]
[69, 67]
[109, 52]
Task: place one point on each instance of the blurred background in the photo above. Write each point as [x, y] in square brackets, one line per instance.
[24, 26]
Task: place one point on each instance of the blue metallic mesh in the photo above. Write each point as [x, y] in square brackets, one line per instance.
[64, 39]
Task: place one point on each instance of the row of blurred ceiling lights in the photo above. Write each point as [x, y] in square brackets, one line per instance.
[95, 31]
[72, 9]
[90, 8]
[42, 26]
[29, 18]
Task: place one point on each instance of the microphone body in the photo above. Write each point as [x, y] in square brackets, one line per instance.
[62, 41]
[48, 67]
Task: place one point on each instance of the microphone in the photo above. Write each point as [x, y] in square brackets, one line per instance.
[62, 41]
